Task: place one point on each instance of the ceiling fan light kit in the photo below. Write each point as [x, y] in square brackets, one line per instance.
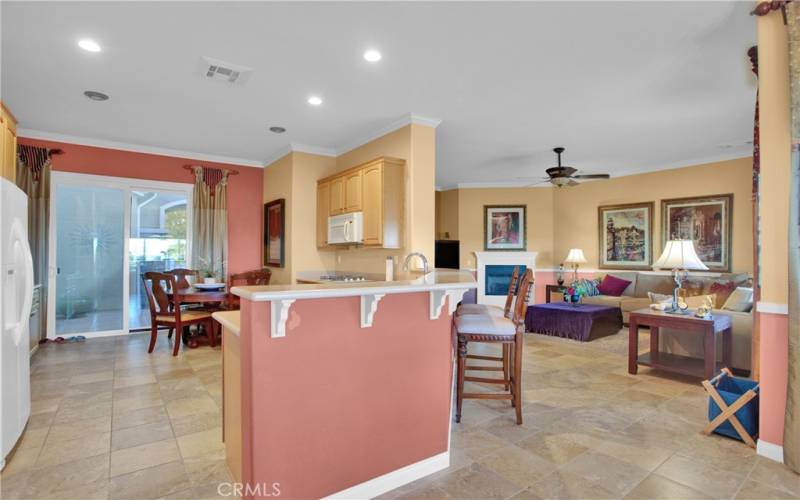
[563, 175]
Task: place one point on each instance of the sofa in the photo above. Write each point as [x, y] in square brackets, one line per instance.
[677, 341]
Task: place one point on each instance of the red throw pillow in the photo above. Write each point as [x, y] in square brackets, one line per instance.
[611, 285]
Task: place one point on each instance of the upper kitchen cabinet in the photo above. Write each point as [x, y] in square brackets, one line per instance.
[8, 144]
[336, 196]
[375, 188]
[352, 192]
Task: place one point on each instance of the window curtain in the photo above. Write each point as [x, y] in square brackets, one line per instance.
[791, 432]
[33, 177]
[210, 221]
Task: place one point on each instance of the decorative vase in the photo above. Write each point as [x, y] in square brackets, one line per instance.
[576, 299]
[560, 276]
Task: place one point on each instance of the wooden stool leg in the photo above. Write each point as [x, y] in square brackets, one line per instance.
[462, 363]
[153, 336]
[516, 385]
[169, 334]
[506, 365]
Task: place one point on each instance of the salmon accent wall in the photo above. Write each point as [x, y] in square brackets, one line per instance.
[245, 204]
[774, 372]
[332, 405]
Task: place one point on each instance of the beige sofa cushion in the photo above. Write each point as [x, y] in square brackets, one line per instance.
[656, 283]
[603, 300]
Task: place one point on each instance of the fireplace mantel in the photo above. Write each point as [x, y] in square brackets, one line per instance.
[527, 259]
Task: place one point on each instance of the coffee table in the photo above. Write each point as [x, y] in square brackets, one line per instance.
[582, 322]
[709, 328]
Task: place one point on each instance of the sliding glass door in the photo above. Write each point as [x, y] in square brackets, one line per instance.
[105, 232]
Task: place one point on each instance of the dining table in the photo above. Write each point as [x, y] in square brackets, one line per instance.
[194, 295]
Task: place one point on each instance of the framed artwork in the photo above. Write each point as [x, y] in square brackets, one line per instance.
[274, 221]
[504, 227]
[705, 220]
[626, 236]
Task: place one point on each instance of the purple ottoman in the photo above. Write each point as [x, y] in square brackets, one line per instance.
[582, 322]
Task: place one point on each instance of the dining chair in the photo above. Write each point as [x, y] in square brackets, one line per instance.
[484, 328]
[247, 278]
[494, 311]
[157, 286]
[181, 276]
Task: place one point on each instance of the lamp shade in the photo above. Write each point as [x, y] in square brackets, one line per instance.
[680, 254]
[575, 256]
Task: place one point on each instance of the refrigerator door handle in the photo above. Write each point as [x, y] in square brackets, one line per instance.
[27, 302]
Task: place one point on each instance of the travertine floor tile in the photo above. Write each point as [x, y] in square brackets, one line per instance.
[701, 476]
[143, 456]
[656, 487]
[153, 482]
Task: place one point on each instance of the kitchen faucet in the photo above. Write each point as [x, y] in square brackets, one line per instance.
[421, 256]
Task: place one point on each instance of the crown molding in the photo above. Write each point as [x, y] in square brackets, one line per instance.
[509, 184]
[314, 150]
[135, 148]
[391, 127]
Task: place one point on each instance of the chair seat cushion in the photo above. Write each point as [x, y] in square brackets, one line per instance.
[486, 324]
[479, 309]
[185, 316]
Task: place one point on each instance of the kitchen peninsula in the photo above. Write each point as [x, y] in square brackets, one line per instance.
[341, 389]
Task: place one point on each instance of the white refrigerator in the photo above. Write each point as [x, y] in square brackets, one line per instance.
[16, 294]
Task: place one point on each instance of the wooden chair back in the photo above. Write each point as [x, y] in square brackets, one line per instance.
[512, 287]
[247, 278]
[181, 275]
[524, 290]
[157, 285]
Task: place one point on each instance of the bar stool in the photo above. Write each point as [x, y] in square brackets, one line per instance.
[497, 312]
[509, 332]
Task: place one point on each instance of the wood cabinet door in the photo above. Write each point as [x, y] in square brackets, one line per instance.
[372, 205]
[3, 168]
[352, 192]
[323, 210]
[337, 196]
[9, 153]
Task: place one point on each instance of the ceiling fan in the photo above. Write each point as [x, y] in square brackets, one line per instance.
[563, 175]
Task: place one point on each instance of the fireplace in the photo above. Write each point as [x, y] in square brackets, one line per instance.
[494, 273]
[498, 277]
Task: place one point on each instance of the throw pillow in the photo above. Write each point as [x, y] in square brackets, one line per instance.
[693, 302]
[613, 286]
[586, 287]
[722, 289]
[740, 300]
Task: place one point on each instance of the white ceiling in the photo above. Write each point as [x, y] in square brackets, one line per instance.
[623, 86]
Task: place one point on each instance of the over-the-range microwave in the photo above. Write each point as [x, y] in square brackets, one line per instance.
[346, 229]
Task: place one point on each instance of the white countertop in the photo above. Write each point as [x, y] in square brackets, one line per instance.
[230, 320]
[438, 279]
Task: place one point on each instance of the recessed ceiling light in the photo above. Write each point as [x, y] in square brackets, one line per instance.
[314, 100]
[89, 45]
[372, 55]
[277, 130]
[96, 96]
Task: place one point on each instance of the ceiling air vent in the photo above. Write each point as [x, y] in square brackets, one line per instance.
[225, 71]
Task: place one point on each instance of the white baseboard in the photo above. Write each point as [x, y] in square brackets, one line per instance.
[387, 482]
[770, 450]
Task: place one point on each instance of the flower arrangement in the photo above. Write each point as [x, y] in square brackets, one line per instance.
[572, 295]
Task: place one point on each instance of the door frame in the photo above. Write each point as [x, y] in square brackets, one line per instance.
[126, 185]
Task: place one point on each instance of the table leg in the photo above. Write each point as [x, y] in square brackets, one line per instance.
[727, 347]
[710, 352]
[633, 346]
[653, 344]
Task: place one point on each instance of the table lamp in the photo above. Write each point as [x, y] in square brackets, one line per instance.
[575, 258]
[679, 255]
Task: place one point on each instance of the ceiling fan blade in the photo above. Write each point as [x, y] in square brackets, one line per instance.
[591, 176]
[543, 181]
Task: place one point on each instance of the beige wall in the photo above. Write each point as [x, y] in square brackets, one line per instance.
[775, 142]
[447, 214]
[278, 184]
[416, 144]
[575, 208]
[539, 226]
[560, 219]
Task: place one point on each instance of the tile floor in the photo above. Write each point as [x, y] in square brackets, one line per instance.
[111, 422]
